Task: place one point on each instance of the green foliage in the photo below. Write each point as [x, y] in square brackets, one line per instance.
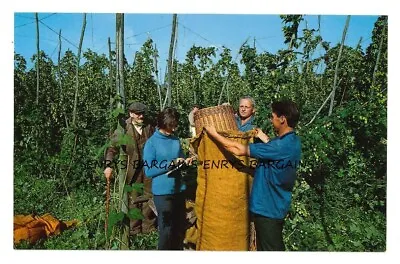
[144, 241]
[290, 29]
[135, 213]
[138, 187]
[27, 194]
[343, 181]
[113, 219]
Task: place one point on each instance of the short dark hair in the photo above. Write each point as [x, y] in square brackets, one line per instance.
[168, 118]
[288, 109]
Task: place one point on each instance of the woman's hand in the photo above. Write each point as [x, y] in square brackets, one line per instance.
[189, 161]
[179, 161]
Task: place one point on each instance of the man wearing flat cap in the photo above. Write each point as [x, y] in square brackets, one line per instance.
[137, 130]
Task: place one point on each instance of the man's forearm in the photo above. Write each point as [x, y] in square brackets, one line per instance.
[264, 138]
[230, 145]
[110, 153]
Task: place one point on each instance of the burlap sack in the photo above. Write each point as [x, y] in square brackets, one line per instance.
[222, 195]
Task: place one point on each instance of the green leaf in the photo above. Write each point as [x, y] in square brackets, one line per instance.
[135, 214]
[115, 245]
[354, 228]
[136, 186]
[100, 151]
[113, 219]
[357, 243]
[117, 111]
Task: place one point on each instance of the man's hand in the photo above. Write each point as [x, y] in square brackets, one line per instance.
[261, 135]
[108, 173]
[211, 130]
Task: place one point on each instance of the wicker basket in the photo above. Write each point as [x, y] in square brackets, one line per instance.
[222, 117]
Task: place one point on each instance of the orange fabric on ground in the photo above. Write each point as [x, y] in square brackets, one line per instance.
[33, 228]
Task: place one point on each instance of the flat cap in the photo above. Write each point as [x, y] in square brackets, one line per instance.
[137, 107]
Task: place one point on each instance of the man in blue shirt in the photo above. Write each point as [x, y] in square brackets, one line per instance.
[275, 173]
[245, 117]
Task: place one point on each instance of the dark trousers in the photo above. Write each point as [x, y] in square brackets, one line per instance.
[171, 220]
[268, 233]
[148, 223]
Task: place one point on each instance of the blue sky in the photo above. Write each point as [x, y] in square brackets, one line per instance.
[205, 30]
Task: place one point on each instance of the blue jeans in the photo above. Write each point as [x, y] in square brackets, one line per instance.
[171, 220]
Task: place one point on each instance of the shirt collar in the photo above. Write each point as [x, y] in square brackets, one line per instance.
[288, 133]
[239, 121]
